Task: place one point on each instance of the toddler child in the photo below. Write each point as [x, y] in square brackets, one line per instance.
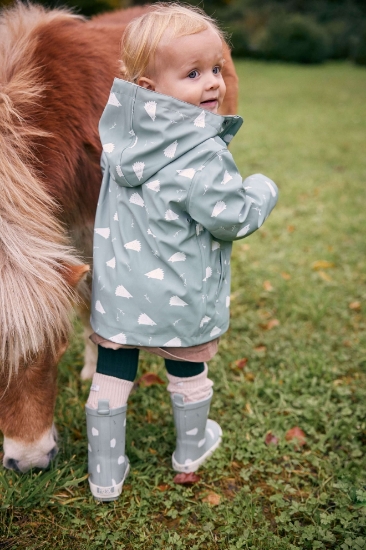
[171, 203]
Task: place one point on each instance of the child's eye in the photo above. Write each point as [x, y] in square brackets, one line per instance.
[193, 74]
[216, 70]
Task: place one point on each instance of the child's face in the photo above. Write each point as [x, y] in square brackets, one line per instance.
[189, 68]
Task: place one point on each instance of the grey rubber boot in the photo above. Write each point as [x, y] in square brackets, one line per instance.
[197, 436]
[108, 465]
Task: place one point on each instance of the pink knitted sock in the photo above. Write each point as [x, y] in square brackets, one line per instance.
[194, 388]
[109, 387]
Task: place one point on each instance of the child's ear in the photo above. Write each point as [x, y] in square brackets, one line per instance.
[147, 83]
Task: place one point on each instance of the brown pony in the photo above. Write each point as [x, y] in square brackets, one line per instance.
[56, 70]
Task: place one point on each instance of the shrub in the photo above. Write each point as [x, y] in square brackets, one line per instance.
[295, 38]
[239, 41]
[340, 37]
[359, 48]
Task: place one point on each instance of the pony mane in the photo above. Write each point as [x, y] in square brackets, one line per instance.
[35, 300]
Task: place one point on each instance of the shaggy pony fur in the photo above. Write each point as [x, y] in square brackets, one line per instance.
[56, 70]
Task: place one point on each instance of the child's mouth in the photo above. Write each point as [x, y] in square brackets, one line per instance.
[209, 104]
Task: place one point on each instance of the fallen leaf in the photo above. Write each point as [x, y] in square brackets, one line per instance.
[249, 376]
[355, 305]
[324, 276]
[186, 479]
[241, 363]
[245, 247]
[272, 323]
[290, 228]
[267, 286]
[285, 276]
[152, 451]
[248, 408]
[271, 439]
[260, 349]
[212, 498]
[264, 314]
[149, 379]
[297, 435]
[347, 343]
[322, 264]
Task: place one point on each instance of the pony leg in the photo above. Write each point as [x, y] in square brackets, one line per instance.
[91, 350]
[90, 355]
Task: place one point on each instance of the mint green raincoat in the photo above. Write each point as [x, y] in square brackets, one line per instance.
[171, 203]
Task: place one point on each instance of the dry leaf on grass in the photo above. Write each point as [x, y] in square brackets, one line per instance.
[324, 276]
[322, 264]
[267, 286]
[187, 479]
[272, 323]
[271, 439]
[297, 436]
[285, 276]
[212, 498]
[248, 408]
[149, 379]
[355, 305]
[260, 349]
[290, 228]
[240, 363]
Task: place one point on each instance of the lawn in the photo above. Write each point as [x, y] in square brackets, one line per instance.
[295, 356]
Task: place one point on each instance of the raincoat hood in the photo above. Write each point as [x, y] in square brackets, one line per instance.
[153, 130]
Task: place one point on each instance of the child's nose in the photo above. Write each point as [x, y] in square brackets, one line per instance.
[212, 82]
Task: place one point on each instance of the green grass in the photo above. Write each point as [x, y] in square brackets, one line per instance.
[305, 128]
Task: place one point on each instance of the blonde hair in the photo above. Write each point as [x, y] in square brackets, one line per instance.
[143, 34]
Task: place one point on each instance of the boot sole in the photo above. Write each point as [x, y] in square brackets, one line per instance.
[193, 466]
[107, 494]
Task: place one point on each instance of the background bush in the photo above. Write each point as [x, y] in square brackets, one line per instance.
[239, 40]
[295, 38]
[359, 48]
[301, 31]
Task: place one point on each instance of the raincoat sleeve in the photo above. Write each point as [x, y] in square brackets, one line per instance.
[228, 207]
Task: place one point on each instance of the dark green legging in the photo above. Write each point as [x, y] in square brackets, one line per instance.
[122, 363]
